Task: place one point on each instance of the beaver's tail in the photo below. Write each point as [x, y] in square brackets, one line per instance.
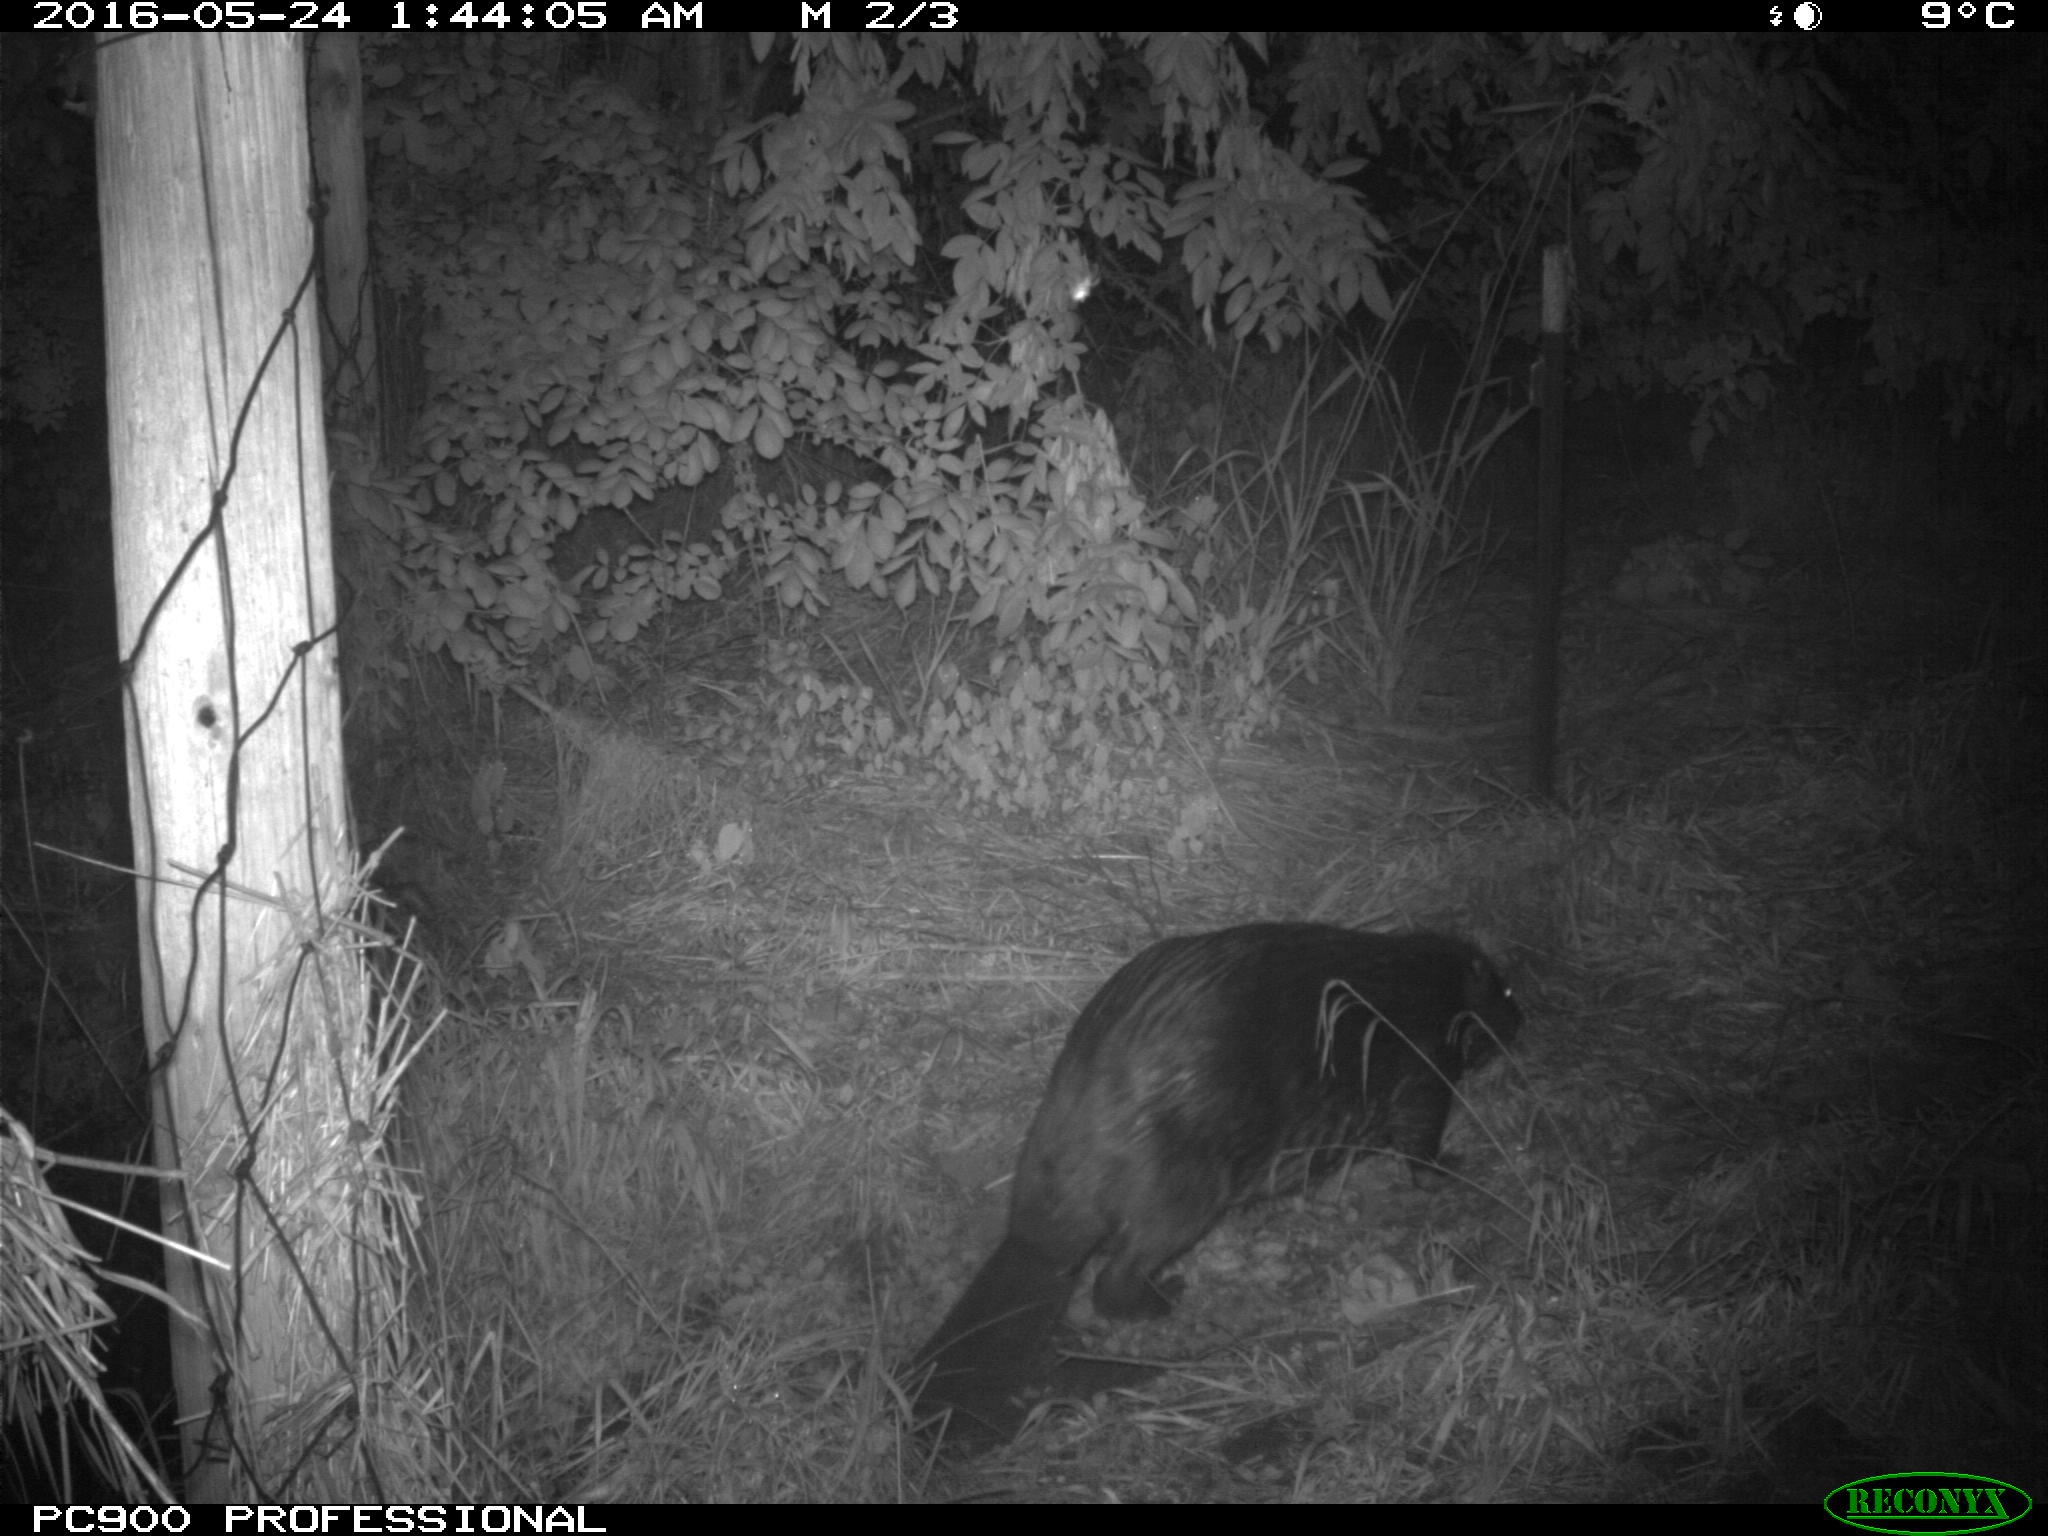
[994, 1344]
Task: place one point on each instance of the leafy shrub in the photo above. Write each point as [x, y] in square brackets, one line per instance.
[610, 319]
[604, 329]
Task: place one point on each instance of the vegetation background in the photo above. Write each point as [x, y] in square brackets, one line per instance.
[857, 537]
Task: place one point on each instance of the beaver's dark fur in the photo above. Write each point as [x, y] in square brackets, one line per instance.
[1195, 1068]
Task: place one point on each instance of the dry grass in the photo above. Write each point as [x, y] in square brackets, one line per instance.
[316, 1210]
[50, 1355]
[701, 1143]
[721, 1114]
[731, 1080]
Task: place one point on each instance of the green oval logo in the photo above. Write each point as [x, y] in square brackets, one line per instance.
[1911, 1503]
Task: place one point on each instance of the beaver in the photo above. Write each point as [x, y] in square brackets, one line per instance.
[1196, 1068]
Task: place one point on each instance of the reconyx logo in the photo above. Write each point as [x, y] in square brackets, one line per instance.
[1950, 1503]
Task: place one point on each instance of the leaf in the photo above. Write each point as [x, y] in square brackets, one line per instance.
[1373, 290]
[1010, 613]
[970, 276]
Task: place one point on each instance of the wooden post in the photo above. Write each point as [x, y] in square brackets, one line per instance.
[225, 598]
